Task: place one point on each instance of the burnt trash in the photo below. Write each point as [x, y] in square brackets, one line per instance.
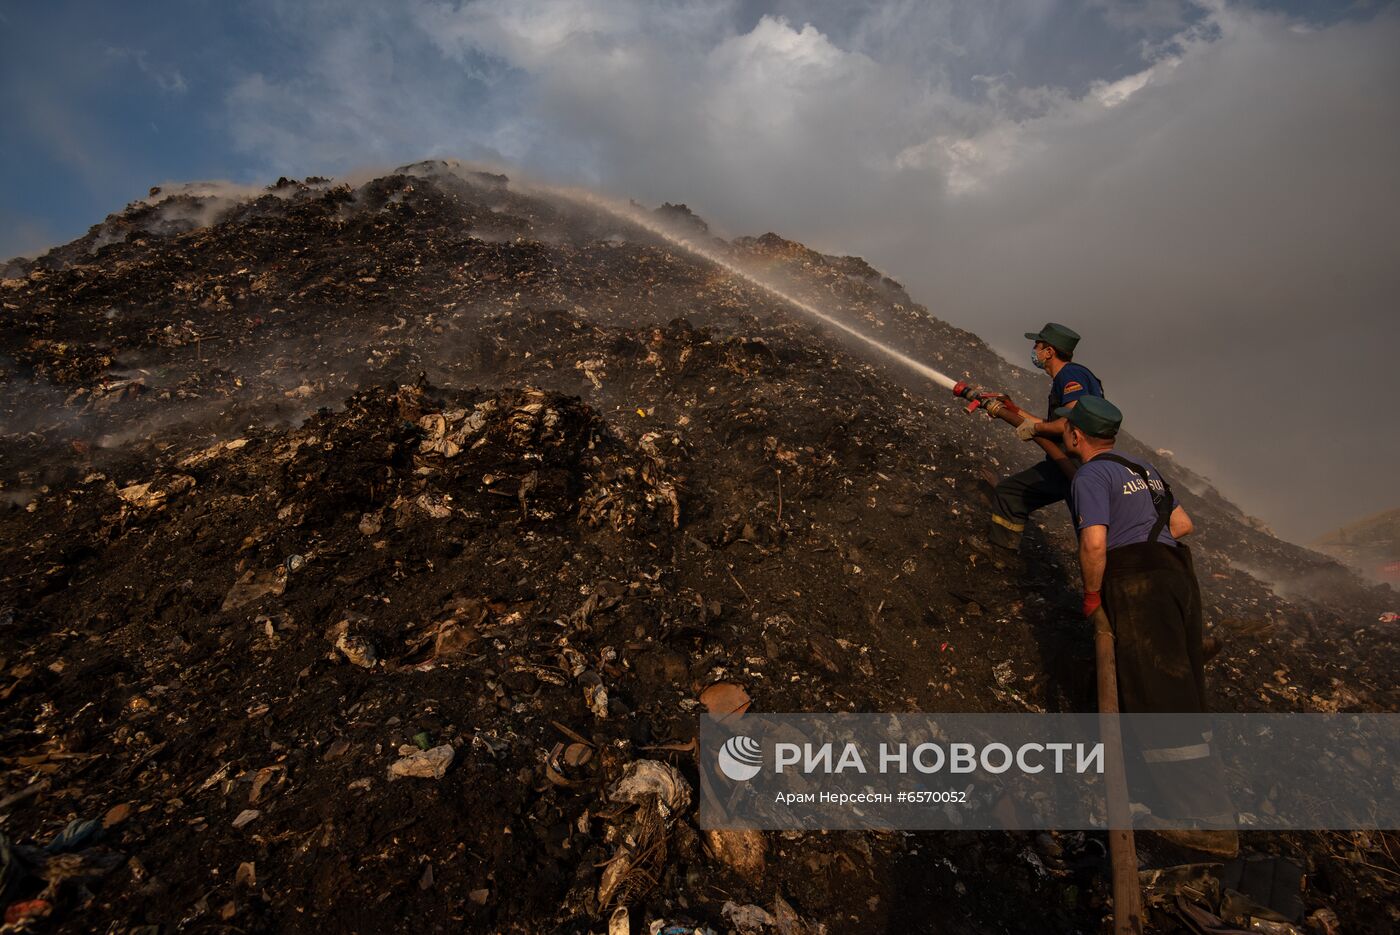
[658, 796]
[431, 763]
[558, 479]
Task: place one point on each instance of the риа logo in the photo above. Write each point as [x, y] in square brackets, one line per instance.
[741, 758]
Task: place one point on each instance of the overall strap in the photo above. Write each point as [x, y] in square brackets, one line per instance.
[1161, 502]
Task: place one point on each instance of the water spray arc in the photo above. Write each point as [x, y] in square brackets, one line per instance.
[642, 220]
[994, 404]
[1127, 896]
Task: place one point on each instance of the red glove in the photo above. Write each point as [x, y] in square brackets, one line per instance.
[1092, 602]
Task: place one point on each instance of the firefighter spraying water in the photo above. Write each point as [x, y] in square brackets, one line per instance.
[1078, 414]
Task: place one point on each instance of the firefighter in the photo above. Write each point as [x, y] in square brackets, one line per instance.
[1019, 495]
[1136, 568]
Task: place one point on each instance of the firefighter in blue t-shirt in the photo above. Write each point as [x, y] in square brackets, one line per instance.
[1017, 496]
[1136, 568]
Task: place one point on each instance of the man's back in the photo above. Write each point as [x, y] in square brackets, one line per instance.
[1105, 493]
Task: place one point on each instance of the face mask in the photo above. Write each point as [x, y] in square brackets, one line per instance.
[1035, 359]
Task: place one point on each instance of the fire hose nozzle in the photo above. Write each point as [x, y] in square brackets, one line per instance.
[973, 394]
[996, 405]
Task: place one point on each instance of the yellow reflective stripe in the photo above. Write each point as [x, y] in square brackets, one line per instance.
[1014, 527]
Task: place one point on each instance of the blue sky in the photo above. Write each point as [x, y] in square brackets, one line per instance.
[105, 99]
[1199, 179]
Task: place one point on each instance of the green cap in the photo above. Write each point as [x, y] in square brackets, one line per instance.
[1093, 415]
[1059, 337]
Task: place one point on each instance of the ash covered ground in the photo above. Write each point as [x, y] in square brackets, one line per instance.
[298, 484]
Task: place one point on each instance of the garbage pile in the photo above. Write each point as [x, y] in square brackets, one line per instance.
[370, 553]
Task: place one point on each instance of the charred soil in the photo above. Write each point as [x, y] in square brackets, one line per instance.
[302, 487]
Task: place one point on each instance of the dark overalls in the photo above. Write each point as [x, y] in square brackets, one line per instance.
[1153, 601]
[1019, 495]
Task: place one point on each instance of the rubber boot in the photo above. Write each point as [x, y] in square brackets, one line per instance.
[1006, 561]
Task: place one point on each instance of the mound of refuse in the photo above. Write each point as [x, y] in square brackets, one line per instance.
[370, 554]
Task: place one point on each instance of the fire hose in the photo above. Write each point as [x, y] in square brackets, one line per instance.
[1127, 894]
[1000, 406]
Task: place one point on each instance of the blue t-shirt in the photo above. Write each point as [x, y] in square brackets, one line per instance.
[1108, 494]
[1073, 381]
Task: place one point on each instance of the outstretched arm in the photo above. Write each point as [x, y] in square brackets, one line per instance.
[1055, 427]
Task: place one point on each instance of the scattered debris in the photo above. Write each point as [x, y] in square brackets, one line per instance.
[253, 586]
[725, 700]
[28, 910]
[424, 764]
[747, 920]
[247, 875]
[660, 794]
[429, 461]
[348, 636]
[743, 852]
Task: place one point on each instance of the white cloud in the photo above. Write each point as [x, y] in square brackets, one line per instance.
[1113, 93]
